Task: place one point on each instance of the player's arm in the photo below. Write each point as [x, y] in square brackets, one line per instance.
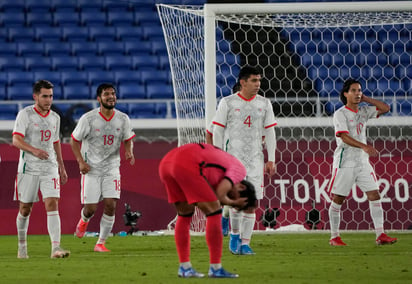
[128, 146]
[270, 140]
[219, 123]
[83, 166]
[357, 144]
[226, 188]
[381, 106]
[60, 163]
[18, 141]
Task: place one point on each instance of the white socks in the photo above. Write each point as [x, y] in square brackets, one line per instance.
[106, 225]
[248, 222]
[22, 224]
[334, 219]
[375, 208]
[54, 228]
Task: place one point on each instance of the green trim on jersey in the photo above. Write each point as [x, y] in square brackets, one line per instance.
[341, 158]
[227, 143]
[24, 165]
[85, 157]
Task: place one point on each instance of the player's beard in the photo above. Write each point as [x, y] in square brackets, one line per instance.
[107, 106]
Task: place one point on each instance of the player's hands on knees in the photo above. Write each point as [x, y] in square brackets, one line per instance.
[41, 154]
[84, 168]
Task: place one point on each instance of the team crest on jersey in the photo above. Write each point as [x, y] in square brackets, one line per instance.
[97, 129]
[237, 109]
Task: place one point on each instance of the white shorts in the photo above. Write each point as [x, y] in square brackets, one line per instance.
[257, 182]
[26, 187]
[344, 178]
[95, 188]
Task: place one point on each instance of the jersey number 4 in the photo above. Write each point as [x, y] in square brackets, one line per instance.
[248, 121]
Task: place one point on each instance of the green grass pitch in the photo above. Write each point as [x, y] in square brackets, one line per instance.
[280, 258]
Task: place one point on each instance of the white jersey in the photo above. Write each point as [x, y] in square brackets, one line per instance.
[348, 121]
[101, 139]
[244, 122]
[40, 131]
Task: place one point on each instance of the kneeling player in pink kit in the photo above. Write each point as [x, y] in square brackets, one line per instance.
[204, 176]
[351, 159]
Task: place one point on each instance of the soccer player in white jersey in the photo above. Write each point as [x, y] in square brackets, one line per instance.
[37, 134]
[241, 120]
[101, 132]
[351, 159]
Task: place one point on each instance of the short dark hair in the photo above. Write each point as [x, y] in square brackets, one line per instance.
[37, 86]
[246, 71]
[103, 87]
[346, 87]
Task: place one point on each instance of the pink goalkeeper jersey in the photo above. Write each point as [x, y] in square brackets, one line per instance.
[348, 121]
[101, 139]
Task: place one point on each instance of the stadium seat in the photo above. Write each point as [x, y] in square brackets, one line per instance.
[77, 110]
[132, 91]
[57, 49]
[13, 6]
[159, 47]
[126, 76]
[19, 34]
[64, 5]
[145, 18]
[77, 77]
[52, 76]
[154, 76]
[30, 49]
[153, 32]
[84, 48]
[92, 63]
[143, 110]
[20, 77]
[35, 63]
[36, 19]
[92, 18]
[161, 110]
[39, 6]
[123, 107]
[76, 91]
[65, 18]
[138, 47]
[4, 35]
[129, 34]
[46, 34]
[73, 34]
[8, 111]
[98, 33]
[12, 63]
[65, 63]
[8, 49]
[20, 92]
[164, 62]
[98, 77]
[118, 63]
[12, 19]
[145, 62]
[117, 6]
[159, 91]
[87, 5]
[120, 18]
[111, 48]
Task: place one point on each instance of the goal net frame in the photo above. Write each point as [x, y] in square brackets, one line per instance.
[192, 128]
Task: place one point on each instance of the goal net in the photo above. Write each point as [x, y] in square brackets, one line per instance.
[305, 52]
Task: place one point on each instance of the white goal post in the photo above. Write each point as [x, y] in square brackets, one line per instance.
[305, 52]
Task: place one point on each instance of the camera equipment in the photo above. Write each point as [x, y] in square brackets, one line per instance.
[130, 219]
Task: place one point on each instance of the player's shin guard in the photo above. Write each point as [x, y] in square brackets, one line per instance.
[214, 237]
[376, 211]
[334, 219]
[54, 228]
[182, 237]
